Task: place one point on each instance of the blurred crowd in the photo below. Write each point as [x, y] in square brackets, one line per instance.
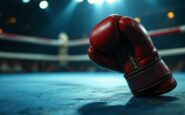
[21, 66]
[18, 66]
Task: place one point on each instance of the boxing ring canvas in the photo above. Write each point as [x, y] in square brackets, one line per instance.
[83, 94]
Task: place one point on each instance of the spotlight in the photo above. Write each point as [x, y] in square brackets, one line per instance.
[25, 1]
[95, 1]
[170, 15]
[43, 4]
[91, 1]
[99, 1]
[110, 1]
[79, 1]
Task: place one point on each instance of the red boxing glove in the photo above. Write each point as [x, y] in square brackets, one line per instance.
[122, 44]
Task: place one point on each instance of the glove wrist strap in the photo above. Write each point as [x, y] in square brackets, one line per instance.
[151, 75]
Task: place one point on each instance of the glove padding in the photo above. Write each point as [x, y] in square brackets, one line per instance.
[122, 44]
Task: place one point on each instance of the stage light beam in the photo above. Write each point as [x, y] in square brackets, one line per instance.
[91, 1]
[79, 1]
[110, 1]
[99, 1]
[95, 1]
[25, 1]
[43, 4]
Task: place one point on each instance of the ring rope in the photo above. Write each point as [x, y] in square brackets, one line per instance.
[84, 57]
[83, 41]
[152, 33]
[28, 39]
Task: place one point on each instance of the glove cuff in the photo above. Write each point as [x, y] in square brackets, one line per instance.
[148, 77]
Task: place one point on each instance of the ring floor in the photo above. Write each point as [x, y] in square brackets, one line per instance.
[83, 94]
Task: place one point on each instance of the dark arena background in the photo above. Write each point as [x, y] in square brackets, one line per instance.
[45, 70]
